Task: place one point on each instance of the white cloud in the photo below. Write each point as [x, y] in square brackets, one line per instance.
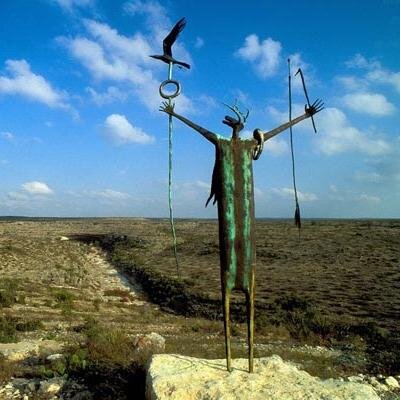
[22, 81]
[370, 176]
[297, 62]
[17, 196]
[70, 4]
[288, 193]
[384, 169]
[152, 9]
[110, 194]
[369, 103]
[136, 48]
[264, 56]
[108, 55]
[336, 135]
[111, 95]
[7, 136]
[121, 131]
[199, 43]
[276, 147]
[282, 117]
[370, 199]
[359, 61]
[36, 187]
[350, 82]
[384, 76]
[376, 73]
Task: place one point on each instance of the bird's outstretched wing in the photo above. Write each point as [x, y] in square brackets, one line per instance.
[171, 37]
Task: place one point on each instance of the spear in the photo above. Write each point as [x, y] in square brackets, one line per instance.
[299, 71]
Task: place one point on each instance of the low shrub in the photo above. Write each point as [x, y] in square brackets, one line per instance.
[10, 326]
[9, 293]
[8, 332]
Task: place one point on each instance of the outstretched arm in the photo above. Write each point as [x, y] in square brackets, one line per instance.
[169, 109]
[317, 106]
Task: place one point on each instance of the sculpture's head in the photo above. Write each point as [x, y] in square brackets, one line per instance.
[237, 124]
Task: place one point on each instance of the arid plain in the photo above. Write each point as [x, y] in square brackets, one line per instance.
[329, 300]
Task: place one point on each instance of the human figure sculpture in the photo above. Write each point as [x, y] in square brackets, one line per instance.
[233, 190]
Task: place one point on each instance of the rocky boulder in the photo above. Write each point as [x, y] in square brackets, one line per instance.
[149, 342]
[176, 377]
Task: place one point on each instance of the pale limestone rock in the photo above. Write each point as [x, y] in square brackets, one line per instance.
[149, 342]
[27, 348]
[19, 351]
[55, 357]
[176, 377]
[51, 386]
[392, 382]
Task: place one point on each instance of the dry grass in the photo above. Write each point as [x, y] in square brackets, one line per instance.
[340, 270]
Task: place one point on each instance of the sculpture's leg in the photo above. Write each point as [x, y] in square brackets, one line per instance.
[250, 323]
[250, 327]
[226, 298]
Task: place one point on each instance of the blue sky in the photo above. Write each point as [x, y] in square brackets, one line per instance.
[81, 134]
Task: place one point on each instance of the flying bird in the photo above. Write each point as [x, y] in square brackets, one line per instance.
[169, 41]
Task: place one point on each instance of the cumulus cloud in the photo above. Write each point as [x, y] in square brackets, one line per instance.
[350, 82]
[111, 95]
[373, 104]
[121, 131]
[282, 117]
[337, 135]
[37, 188]
[22, 81]
[375, 72]
[264, 56]
[288, 193]
[276, 146]
[108, 55]
[384, 169]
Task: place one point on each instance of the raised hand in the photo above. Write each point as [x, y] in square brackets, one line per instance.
[315, 107]
[167, 107]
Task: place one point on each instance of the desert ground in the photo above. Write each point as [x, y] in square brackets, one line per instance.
[88, 288]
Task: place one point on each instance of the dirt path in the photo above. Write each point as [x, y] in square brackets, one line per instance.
[102, 276]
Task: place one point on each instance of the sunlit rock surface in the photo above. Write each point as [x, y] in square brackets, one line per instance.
[176, 377]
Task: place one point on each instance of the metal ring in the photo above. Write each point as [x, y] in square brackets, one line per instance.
[260, 145]
[172, 95]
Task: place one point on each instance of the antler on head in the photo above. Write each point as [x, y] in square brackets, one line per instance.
[240, 115]
[236, 124]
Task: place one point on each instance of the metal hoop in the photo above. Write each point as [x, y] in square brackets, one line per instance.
[260, 145]
[172, 95]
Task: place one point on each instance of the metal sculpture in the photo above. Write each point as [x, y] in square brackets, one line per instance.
[233, 190]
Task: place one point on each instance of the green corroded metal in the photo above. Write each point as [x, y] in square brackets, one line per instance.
[235, 210]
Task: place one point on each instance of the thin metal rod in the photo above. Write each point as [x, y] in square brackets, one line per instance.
[306, 94]
[297, 211]
[171, 215]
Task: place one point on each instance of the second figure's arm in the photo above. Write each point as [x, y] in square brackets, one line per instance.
[309, 111]
[169, 109]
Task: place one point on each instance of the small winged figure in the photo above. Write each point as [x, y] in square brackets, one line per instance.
[167, 45]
